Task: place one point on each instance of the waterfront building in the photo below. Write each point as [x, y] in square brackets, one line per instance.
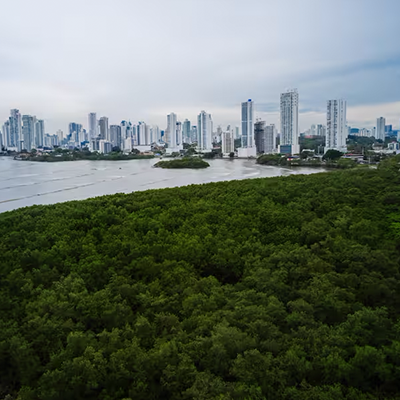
[289, 134]
[204, 132]
[39, 133]
[93, 126]
[228, 142]
[248, 148]
[15, 132]
[104, 133]
[28, 132]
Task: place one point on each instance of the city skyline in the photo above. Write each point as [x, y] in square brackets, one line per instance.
[62, 73]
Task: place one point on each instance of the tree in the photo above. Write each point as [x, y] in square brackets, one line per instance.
[332, 154]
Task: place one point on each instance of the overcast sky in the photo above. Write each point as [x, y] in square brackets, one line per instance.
[142, 59]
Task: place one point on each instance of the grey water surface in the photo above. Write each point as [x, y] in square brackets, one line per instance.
[24, 183]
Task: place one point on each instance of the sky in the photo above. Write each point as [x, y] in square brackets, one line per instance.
[139, 60]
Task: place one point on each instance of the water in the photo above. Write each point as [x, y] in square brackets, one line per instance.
[24, 183]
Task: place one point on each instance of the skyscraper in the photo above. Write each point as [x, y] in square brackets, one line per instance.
[380, 128]
[115, 136]
[265, 137]
[186, 131]
[321, 130]
[28, 130]
[15, 130]
[6, 133]
[247, 124]
[141, 134]
[103, 128]
[228, 142]
[93, 130]
[39, 133]
[171, 130]
[248, 148]
[204, 131]
[74, 130]
[290, 122]
[336, 132]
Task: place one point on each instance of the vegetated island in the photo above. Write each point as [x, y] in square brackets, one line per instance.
[186, 162]
[279, 288]
[59, 155]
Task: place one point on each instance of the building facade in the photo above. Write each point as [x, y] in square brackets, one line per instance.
[204, 131]
[92, 125]
[228, 142]
[28, 131]
[290, 122]
[336, 131]
[15, 137]
[380, 128]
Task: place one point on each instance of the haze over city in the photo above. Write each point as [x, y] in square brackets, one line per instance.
[141, 60]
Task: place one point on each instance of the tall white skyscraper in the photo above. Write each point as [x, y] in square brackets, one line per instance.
[290, 122]
[380, 128]
[92, 124]
[141, 134]
[204, 131]
[336, 131]
[171, 130]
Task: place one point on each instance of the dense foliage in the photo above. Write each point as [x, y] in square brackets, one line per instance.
[284, 161]
[280, 288]
[186, 162]
[77, 154]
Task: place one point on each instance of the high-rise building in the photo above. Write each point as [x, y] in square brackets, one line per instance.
[247, 124]
[115, 136]
[93, 127]
[141, 134]
[265, 137]
[336, 131]
[60, 136]
[228, 141]
[179, 139]
[15, 137]
[6, 133]
[204, 131]
[28, 131]
[289, 139]
[103, 129]
[39, 133]
[248, 148]
[380, 128]
[194, 134]
[186, 132]
[74, 130]
[321, 130]
[171, 130]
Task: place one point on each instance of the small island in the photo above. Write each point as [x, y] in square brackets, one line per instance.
[186, 162]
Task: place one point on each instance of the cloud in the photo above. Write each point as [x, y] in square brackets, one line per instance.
[130, 59]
